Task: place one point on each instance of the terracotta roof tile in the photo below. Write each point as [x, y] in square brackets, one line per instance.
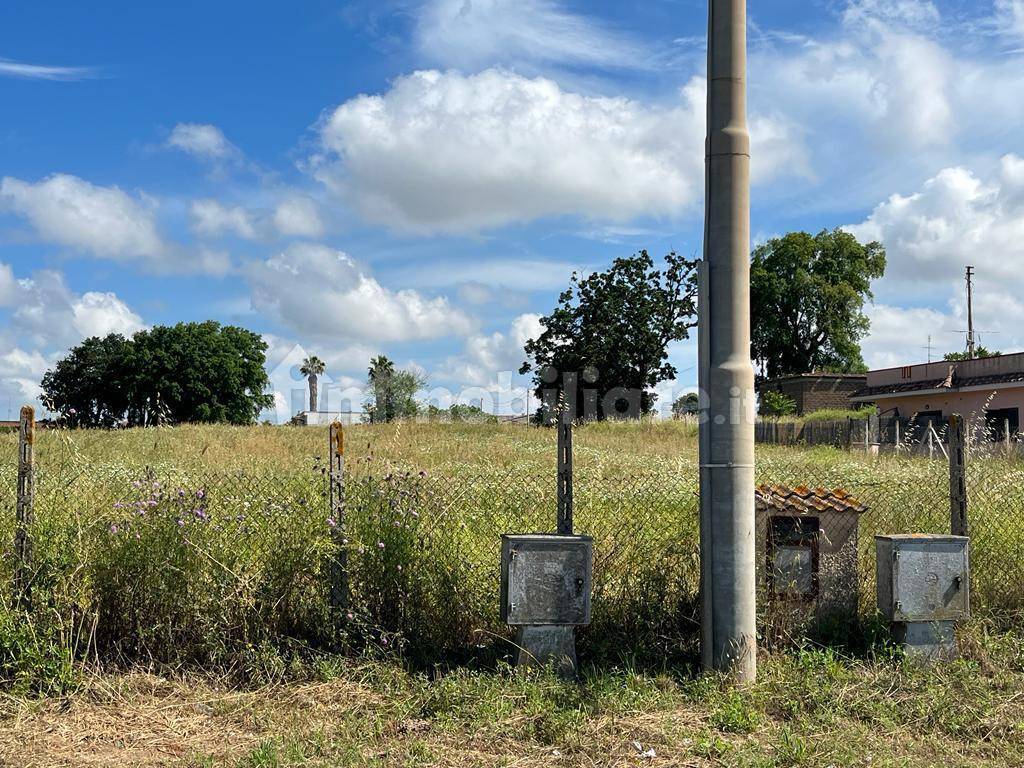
[804, 500]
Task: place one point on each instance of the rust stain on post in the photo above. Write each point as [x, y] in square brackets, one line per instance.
[338, 438]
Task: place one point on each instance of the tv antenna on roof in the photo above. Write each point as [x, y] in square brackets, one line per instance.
[930, 347]
[972, 348]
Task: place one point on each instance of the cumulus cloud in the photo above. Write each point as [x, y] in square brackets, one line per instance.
[67, 210]
[100, 314]
[322, 293]
[485, 356]
[445, 152]
[956, 218]
[298, 217]
[881, 79]
[471, 34]
[211, 219]
[104, 221]
[207, 142]
[49, 315]
[46, 319]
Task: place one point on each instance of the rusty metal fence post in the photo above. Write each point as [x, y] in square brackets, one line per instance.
[25, 508]
[958, 475]
[565, 511]
[338, 569]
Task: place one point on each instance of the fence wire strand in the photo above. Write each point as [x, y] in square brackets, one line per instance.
[200, 561]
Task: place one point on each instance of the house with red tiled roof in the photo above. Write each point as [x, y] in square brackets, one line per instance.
[988, 390]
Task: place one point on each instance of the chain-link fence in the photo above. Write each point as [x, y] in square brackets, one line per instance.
[190, 565]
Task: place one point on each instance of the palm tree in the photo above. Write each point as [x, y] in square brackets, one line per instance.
[311, 368]
[382, 370]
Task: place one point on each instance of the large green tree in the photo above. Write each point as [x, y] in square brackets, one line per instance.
[190, 372]
[807, 297]
[92, 386]
[611, 330]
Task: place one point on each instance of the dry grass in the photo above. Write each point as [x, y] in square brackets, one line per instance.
[423, 445]
[811, 708]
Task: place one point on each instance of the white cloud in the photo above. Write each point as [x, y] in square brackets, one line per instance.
[298, 217]
[471, 34]
[476, 293]
[8, 285]
[48, 315]
[1010, 17]
[20, 373]
[519, 274]
[100, 314]
[206, 142]
[485, 356]
[211, 219]
[104, 221]
[67, 210]
[955, 219]
[880, 81]
[899, 336]
[20, 69]
[46, 319]
[443, 152]
[322, 293]
[917, 14]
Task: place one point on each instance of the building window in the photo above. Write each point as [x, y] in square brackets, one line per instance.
[908, 372]
[793, 557]
[996, 421]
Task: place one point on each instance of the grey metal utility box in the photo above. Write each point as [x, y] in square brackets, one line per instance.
[923, 577]
[546, 579]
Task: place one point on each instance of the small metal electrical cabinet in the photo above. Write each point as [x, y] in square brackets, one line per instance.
[923, 577]
[546, 579]
[923, 589]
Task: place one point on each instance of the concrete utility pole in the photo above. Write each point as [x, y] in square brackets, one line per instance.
[727, 374]
[971, 347]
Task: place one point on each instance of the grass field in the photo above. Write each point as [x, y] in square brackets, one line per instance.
[809, 708]
[181, 615]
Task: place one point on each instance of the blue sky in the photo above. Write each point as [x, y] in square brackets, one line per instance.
[420, 177]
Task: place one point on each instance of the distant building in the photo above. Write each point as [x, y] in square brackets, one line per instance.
[990, 388]
[817, 391]
[326, 418]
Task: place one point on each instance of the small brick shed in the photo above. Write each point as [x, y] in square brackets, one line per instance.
[817, 391]
[807, 546]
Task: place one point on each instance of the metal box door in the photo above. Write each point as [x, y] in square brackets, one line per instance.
[930, 579]
[546, 579]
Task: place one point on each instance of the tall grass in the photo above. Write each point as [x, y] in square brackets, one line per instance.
[213, 546]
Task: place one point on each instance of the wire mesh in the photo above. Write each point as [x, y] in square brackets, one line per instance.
[172, 563]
